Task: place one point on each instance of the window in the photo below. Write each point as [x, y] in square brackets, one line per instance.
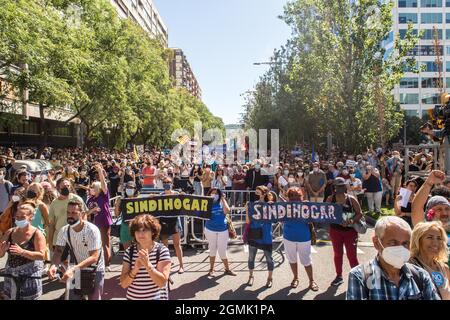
[406, 67]
[430, 34]
[402, 33]
[447, 17]
[447, 34]
[447, 67]
[62, 131]
[409, 83]
[447, 49]
[407, 3]
[447, 83]
[407, 17]
[431, 3]
[412, 113]
[409, 98]
[430, 66]
[431, 18]
[432, 98]
[430, 83]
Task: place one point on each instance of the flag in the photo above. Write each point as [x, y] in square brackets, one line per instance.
[313, 157]
[183, 139]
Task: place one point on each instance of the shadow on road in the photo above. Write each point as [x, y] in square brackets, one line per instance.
[286, 294]
[113, 290]
[330, 294]
[244, 292]
[189, 290]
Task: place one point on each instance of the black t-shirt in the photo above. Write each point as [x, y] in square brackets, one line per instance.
[372, 184]
[347, 207]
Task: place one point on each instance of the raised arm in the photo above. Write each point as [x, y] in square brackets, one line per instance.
[417, 214]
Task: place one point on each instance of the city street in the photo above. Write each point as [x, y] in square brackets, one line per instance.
[194, 284]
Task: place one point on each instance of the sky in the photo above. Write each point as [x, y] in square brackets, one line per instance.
[221, 40]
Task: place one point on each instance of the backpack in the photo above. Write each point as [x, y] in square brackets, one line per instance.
[367, 272]
[158, 255]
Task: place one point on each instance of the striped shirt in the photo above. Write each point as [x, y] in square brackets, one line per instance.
[143, 287]
[88, 239]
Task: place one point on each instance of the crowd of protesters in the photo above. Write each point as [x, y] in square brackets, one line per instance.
[65, 212]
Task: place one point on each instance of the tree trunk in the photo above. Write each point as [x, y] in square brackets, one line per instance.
[43, 130]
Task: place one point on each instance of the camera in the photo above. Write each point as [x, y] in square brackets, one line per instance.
[441, 118]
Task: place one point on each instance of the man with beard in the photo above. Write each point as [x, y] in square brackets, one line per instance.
[85, 245]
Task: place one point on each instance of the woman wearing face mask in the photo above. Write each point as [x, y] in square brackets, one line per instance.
[283, 182]
[297, 243]
[260, 237]
[355, 186]
[216, 231]
[171, 226]
[100, 199]
[9, 214]
[25, 245]
[345, 234]
[196, 176]
[130, 192]
[34, 194]
[49, 193]
[82, 183]
[429, 252]
[220, 181]
[405, 212]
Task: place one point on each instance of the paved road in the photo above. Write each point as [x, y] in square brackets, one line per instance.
[195, 285]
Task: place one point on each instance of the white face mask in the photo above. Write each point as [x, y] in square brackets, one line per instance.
[291, 180]
[15, 198]
[316, 170]
[300, 174]
[352, 175]
[129, 192]
[395, 256]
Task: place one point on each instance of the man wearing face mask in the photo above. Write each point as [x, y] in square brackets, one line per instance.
[130, 192]
[58, 209]
[5, 191]
[171, 226]
[316, 183]
[283, 181]
[389, 276]
[254, 178]
[85, 244]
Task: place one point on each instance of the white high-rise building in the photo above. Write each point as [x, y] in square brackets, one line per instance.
[145, 14]
[418, 93]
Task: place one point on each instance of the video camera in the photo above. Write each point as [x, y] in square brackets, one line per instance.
[441, 118]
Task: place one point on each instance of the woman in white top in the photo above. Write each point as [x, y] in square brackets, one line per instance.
[146, 264]
[429, 251]
[220, 182]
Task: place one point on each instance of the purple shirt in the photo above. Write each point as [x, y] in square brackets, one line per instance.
[103, 218]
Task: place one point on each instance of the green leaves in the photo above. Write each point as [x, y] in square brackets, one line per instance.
[335, 75]
[78, 54]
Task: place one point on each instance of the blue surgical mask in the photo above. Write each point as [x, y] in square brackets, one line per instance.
[22, 223]
[167, 186]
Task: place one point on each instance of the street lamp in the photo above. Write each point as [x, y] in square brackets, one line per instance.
[108, 132]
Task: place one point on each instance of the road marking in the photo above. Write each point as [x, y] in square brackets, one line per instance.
[358, 251]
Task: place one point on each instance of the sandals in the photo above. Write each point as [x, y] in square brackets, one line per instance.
[229, 273]
[181, 271]
[313, 286]
[294, 283]
[211, 273]
[250, 281]
[269, 283]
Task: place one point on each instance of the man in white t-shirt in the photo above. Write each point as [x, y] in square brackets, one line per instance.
[86, 251]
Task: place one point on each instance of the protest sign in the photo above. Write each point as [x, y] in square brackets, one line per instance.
[296, 211]
[167, 206]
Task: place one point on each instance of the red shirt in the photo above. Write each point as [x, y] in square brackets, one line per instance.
[149, 171]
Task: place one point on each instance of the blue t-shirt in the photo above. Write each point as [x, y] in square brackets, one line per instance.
[296, 231]
[218, 221]
[266, 231]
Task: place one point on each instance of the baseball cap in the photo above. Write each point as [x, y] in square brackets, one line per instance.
[339, 181]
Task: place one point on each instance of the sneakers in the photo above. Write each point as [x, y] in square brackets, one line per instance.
[337, 282]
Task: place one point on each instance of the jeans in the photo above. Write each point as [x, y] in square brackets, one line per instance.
[374, 198]
[252, 256]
